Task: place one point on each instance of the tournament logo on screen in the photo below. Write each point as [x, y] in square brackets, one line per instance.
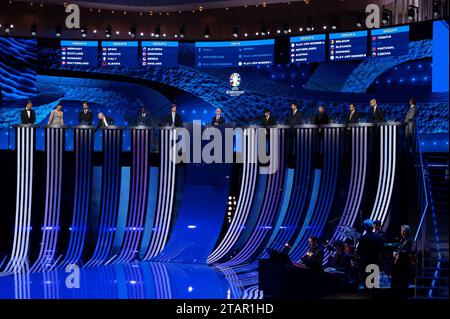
[235, 81]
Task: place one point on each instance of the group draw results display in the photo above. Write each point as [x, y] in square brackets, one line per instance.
[79, 53]
[119, 53]
[159, 53]
[234, 53]
[390, 41]
[308, 48]
[348, 45]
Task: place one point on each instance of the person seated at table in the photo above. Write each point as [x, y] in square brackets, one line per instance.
[104, 121]
[341, 261]
[218, 119]
[268, 119]
[56, 116]
[321, 117]
[28, 116]
[143, 119]
[314, 255]
[85, 115]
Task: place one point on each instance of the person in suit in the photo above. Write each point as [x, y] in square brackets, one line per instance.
[410, 119]
[173, 119]
[353, 116]
[370, 247]
[143, 119]
[377, 112]
[28, 116]
[104, 121]
[294, 117]
[85, 115]
[218, 119]
[321, 118]
[267, 120]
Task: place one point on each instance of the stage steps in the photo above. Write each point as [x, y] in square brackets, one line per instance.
[433, 279]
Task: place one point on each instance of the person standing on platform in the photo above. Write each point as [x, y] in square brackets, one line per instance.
[294, 117]
[321, 118]
[143, 119]
[377, 112]
[56, 116]
[218, 119]
[353, 116]
[28, 116]
[410, 120]
[267, 120]
[174, 119]
[85, 116]
[104, 121]
[402, 266]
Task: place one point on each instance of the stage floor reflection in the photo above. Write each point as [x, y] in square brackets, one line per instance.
[140, 280]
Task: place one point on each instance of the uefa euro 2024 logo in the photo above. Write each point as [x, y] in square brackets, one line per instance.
[235, 81]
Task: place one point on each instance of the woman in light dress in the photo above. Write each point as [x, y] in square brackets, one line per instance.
[56, 117]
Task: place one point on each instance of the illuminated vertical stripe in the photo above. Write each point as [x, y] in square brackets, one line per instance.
[245, 199]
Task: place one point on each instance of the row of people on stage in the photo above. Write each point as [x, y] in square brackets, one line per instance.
[371, 248]
[85, 116]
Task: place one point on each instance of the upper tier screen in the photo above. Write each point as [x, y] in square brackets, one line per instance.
[159, 53]
[348, 46]
[120, 53]
[79, 53]
[390, 41]
[308, 48]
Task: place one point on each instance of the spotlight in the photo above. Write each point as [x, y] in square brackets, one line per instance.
[157, 31]
[84, 31]
[207, 32]
[132, 32]
[58, 31]
[108, 31]
[437, 6]
[387, 17]
[286, 28]
[360, 20]
[309, 24]
[8, 28]
[412, 13]
[33, 29]
[235, 31]
[182, 32]
[263, 30]
[335, 23]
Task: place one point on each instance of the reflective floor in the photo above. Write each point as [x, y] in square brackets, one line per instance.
[144, 280]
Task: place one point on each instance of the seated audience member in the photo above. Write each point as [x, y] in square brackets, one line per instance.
[314, 256]
[28, 116]
[268, 119]
[341, 261]
[377, 112]
[85, 115]
[104, 121]
[353, 116]
[143, 119]
[321, 118]
[218, 119]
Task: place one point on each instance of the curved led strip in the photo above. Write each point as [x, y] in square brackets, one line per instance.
[54, 144]
[314, 227]
[134, 281]
[25, 143]
[271, 202]
[51, 285]
[84, 146]
[299, 197]
[138, 195]
[112, 141]
[22, 281]
[161, 279]
[359, 140]
[388, 151]
[245, 199]
[165, 194]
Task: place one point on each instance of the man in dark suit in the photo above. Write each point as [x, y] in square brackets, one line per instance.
[377, 112]
[410, 118]
[28, 116]
[218, 119]
[267, 120]
[173, 119]
[353, 116]
[143, 119]
[85, 116]
[294, 117]
[104, 121]
[370, 247]
[321, 118]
